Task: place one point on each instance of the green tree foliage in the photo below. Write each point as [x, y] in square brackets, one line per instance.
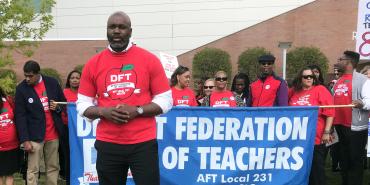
[21, 26]
[8, 81]
[208, 61]
[303, 56]
[52, 73]
[248, 61]
[79, 67]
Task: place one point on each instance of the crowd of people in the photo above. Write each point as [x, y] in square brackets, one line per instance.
[125, 87]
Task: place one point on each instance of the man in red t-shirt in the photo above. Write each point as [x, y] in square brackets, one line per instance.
[351, 123]
[39, 122]
[130, 87]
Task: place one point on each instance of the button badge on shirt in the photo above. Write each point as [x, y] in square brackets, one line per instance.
[30, 100]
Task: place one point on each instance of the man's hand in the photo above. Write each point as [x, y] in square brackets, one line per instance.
[357, 104]
[27, 146]
[120, 114]
[53, 106]
[131, 110]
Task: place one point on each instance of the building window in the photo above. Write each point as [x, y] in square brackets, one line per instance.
[37, 6]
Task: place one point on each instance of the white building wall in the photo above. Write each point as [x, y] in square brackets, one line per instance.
[171, 26]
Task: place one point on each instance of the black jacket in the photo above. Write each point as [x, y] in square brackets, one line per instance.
[29, 112]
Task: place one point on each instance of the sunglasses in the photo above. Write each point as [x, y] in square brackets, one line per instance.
[208, 87]
[221, 79]
[266, 63]
[307, 76]
[343, 59]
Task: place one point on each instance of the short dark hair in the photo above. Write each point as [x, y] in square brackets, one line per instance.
[31, 66]
[355, 57]
[179, 71]
[68, 85]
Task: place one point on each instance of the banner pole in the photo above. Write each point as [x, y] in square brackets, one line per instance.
[336, 106]
[63, 103]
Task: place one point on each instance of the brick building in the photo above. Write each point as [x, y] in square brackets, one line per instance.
[326, 24]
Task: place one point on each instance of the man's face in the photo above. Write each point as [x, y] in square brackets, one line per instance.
[118, 32]
[343, 62]
[31, 78]
[266, 67]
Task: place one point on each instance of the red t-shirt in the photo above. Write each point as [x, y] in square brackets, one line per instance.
[317, 95]
[222, 99]
[343, 96]
[51, 133]
[70, 95]
[183, 97]
[131, 78]
[8, 131]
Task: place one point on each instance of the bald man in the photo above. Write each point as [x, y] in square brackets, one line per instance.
[131, 88]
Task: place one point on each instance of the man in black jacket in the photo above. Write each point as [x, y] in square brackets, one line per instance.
[39, 122]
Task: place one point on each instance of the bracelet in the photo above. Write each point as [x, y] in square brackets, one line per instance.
[327, 132]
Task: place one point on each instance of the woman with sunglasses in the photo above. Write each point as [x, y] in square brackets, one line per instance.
[306, 91]
[208, 87]
[240, 88]
[182, 95]
[221, 97]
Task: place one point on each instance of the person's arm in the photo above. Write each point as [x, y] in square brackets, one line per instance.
[122, 113]
[21, 120]
[327, 131]
[58, 108]
[364, 103]
[282, 94]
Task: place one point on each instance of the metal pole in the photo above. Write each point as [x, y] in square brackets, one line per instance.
[284, 63]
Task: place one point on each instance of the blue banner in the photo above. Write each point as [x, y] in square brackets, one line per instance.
[243, 146]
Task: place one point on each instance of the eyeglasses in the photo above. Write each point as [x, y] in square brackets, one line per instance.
[208, 87]
[336, 74]
[266, 63]
[307, 77]
[343, 59]
[221, 79]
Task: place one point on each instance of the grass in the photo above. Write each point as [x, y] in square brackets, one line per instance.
[333, 178]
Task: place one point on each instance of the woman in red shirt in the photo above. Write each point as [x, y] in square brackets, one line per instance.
[306, 91]
[221, 97]
[182, 95]
[72, 84]
[9, 144]
[70, 92]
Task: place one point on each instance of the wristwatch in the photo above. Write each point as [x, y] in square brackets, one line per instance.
[139, 110]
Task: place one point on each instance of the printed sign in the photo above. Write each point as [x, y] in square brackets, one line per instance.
[233, 146]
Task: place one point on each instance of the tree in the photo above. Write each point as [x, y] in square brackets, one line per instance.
[248, 61]
[79, 67]
[208, 61]
[8, 81]
[304, 56]
[52, 73]
[22, 24]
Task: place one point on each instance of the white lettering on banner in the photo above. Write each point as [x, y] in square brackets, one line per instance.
[225, 128]
[178, 159]
[160, 123]
[89, 154]
[207, 178]
[84, 127]
[120, 77]
[218, 158]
